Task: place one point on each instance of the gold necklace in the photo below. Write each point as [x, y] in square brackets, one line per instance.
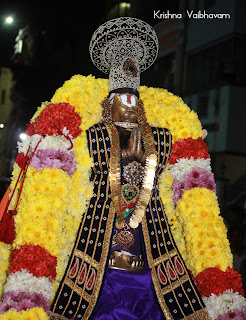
[115, 171]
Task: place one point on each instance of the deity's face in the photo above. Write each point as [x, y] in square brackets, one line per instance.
[125, 108]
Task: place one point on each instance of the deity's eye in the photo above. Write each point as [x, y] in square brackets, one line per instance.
[130, 68]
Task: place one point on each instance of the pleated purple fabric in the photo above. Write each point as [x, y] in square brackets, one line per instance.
[128, 295]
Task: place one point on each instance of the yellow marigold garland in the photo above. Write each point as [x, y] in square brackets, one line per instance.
[86, 95]
[5, 250]
[43, 203]
[166, 193]
[193, 219]
[30, 314]
[164, 109]
[204, 230]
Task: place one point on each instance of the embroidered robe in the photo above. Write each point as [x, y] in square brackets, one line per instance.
[79, 290]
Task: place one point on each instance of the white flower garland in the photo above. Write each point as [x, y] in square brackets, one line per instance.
[184, 165]
[27, 282]
[221, 304]
[48, 142]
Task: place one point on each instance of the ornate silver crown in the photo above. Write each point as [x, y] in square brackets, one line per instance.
[124, 47]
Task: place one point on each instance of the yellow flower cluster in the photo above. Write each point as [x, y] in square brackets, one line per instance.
[30, 314]
[163, 109]
[86, 95]
[166, 110]
[42, 209]
[5, 250]
[204, 230]
[50, 210]
[166, 194]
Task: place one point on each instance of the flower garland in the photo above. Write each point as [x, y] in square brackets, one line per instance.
[216, 281]
[226, 306]
[52, 121]
[198, 177]
[186, 148]
[5, 250]
[35, 313]
[34, 276]
[54, 196]
[166, 194]
[54, 159]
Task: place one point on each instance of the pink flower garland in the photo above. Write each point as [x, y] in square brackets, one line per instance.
[198, 177]
[19, 300]
[54, 159]
[236, 315]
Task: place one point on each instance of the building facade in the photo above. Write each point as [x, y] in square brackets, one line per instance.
[6, 105]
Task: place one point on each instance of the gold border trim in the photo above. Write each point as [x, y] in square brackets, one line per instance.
[103, 261]
[175, 284]
[55, 316]
[198, 315]
[155, 280]
[86, 258]
[77, 289]
[165, 257]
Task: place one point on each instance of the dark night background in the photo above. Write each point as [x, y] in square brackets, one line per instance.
[203, 61]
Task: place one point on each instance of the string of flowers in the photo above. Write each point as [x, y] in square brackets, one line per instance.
[38, 253]
[208, 251]
[57, 188]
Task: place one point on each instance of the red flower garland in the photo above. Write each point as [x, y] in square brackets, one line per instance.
[30, 129]
[7, 227]
[35, 259]
[213, 280]
[54, 118]
[186, 148]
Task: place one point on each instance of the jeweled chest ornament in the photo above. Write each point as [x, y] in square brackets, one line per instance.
[124, 237]
[133, 173]
[130, 193]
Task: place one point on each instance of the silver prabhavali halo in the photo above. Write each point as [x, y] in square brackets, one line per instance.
[124, 47]
[141, 38]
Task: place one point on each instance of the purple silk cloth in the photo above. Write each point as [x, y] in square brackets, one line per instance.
[128, 295]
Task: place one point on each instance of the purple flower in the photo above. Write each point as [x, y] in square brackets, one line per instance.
[54, 159]
[19, 300]
[197, 178]
[239, 314]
